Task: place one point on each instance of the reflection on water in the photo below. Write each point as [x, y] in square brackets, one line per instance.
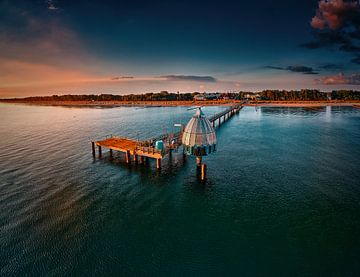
[282, 194]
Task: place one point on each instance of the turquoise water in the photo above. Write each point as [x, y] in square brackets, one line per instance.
[282, 196]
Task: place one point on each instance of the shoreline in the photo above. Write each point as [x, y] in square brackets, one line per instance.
[113, 104]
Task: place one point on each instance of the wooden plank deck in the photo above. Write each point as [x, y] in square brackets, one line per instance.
[133, 146]
[118, 144]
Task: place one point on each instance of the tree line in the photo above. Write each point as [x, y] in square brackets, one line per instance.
[272, 95]
[308, 95]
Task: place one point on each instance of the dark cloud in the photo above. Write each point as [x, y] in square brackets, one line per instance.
[122, 77]
[326, 39]
[301, 69]
[330, 66]
[349, 47]
[336, 24]
[294, 68]
[189, 78]
[340, 79]
[274, 67]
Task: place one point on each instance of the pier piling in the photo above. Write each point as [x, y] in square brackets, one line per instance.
[158, 163]
[93, 147]
[127, 156]
[99, 150]
[203, 172]
[198, 161]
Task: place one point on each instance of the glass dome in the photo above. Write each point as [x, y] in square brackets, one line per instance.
[199, 137]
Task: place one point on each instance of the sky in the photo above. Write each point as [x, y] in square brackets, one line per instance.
[122, 47]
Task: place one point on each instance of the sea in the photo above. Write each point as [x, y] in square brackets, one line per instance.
[281, 198]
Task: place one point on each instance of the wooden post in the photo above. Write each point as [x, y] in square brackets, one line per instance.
[111, 153]
[93, 147]
[219, 121]
[135, 158]
[128, 157]
[203, 172]
[141, 159]
[99, 150]
[198, 161]
[158, 163]
[213, 123]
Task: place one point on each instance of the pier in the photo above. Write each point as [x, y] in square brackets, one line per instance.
[137, 150]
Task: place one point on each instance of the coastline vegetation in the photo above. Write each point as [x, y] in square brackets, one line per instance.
[265, 95]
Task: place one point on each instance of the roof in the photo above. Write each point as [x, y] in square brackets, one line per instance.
[199, 131]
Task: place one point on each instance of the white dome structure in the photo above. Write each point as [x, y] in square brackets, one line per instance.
[199, 137]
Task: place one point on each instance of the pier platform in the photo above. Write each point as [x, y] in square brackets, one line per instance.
[146, 148]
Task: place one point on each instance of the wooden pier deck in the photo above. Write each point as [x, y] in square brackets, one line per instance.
[146, 148]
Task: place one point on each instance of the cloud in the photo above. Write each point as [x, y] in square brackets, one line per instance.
[51, 5]
[340, 79]
[37, 47]
[33, 38]
[190, 78]
[330, 66]
[301, 69]
[325, 39]
[274, 67]
[336, 24]
[294, 68]
[122, 78]
[334, 14]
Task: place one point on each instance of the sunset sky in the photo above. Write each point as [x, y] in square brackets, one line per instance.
[119, 47]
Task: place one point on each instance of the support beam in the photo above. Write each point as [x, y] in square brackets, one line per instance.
[198, 161]
[135, 158]
[128, 157]
[141, 159]
[111, 153]
[203, 172]
[99, 150]
[158, 163]
[213, 123]
[93, 147]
